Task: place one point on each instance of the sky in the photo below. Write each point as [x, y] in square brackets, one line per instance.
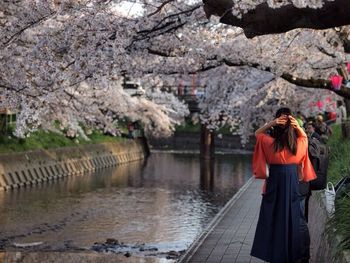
[131, 8]
[128, 8]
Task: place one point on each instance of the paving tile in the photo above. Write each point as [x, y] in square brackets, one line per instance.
[228, 259]
[231, 240]
[214, 259]
[200, 258]
[219, 251]
[256, 260]
[242, 260]
[204, 252]
[232, 251]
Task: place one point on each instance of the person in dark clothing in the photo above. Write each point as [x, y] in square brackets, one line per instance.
[131, 129]
[322, 129]
[310, 131]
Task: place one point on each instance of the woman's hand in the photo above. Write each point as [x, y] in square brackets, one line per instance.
[300, 131]
[293, 122]
[281, 121]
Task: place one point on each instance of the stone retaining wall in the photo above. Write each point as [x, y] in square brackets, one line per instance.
[33, 167]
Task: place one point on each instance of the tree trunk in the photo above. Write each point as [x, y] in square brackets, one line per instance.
[345, 129]
[207, 146]
[347, 106]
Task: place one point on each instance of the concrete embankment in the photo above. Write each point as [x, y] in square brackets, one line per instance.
[33, 167]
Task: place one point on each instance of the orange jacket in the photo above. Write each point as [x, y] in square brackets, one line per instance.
[264, 154]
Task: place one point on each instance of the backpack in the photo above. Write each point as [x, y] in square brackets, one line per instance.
[319, 157]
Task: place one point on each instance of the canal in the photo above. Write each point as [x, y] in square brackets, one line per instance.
[148, 211]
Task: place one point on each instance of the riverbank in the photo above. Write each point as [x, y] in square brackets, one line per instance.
[34, 167]
[339, 167]
[50, 140]
[332, 233]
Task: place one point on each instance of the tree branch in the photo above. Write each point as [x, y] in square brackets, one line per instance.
[166, 25]
[34, 23]
[317, 84]
[263, 20]
[17, 90]
[160, 53]
[159, 8]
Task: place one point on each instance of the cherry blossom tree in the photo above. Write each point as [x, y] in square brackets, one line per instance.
[306, 57]
[64, 60]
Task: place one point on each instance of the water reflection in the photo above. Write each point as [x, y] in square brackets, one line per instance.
[207, 174]
[165, 201]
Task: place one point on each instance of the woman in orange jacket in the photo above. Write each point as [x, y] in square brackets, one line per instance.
[281, 159]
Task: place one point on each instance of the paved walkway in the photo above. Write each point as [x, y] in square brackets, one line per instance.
[230, 236]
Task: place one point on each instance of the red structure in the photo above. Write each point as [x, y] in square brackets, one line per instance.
[336, 81]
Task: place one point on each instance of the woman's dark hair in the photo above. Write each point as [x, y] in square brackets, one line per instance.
[284, 136]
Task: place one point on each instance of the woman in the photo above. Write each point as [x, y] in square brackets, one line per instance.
[281, 158]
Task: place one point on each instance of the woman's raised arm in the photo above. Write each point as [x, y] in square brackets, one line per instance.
[282, 120]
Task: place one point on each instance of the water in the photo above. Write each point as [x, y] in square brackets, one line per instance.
[161, 204]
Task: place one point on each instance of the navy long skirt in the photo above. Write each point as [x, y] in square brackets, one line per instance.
[282, 234]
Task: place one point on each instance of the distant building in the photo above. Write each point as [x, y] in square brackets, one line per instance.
[132, 87]
[191, 88]
[7, 119]
[7, 116]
